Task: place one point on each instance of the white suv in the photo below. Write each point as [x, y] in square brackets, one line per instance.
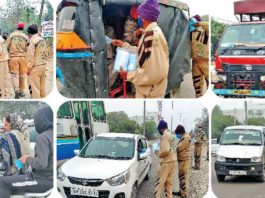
[110, 165]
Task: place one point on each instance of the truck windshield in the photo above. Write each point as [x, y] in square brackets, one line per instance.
[241, 137]
[249, 35]
[66, 19]
[109, 148]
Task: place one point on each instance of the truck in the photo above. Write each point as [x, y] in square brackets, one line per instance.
[241, 152]
[240, 57]
[77, 123]
[82, 48]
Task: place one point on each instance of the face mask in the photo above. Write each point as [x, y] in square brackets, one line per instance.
[193, 21]
[179, 136]
[140, 22]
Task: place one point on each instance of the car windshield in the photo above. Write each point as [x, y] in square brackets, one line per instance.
[251, 35]
[117, 148]
[241, 137]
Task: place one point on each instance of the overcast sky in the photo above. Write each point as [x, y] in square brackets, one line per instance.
[189, 110]
[239, 104]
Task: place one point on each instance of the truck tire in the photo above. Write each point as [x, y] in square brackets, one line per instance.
[261, 178]
[220, 178]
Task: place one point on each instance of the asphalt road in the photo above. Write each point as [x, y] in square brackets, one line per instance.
[243, 187]
[198, 180]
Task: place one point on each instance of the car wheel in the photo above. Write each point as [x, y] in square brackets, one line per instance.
[261, 178]
[220, 178]
[134, 191]
[148, 175]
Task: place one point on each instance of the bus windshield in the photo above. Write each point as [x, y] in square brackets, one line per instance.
[249, 35]
[241, 137]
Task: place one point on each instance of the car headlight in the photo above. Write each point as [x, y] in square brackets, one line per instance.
[119, 179]
[222, 77]
[256, 159]
[220, 158]
[262, 78]
[60, 175]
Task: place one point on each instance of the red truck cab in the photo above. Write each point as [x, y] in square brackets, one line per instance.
[240, 58]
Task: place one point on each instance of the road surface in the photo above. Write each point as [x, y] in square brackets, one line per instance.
[242, 187]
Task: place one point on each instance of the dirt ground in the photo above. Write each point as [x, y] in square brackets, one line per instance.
[49, 82]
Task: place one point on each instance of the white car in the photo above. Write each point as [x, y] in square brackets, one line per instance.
[110, 165]
[214, 146]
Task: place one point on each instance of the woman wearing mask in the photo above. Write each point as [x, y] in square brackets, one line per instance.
[14, 143]
[184, 160]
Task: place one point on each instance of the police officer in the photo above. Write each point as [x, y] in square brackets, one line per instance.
[200, 138]
[17, 46]
[3, 67]
[167, 158]
[184, 160]
[200, 54]
[37, 60]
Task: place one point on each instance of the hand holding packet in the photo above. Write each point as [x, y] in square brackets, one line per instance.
[126, 60]
[19, 164]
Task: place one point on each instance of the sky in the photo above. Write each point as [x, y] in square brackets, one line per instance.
[189, 110]
[239, 104]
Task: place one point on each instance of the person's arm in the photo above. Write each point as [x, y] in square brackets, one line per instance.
[156, 67]
[40, 161]
[164, 147]
[1, 48]
[183, 144]
[30, 55]
[8, 42]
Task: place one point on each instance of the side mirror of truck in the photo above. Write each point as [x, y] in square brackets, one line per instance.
[76, 152]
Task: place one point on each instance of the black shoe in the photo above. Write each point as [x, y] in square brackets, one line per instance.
[22, 94]
[17, 95]
[177, 193]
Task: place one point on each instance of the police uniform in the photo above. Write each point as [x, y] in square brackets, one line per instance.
[184, 161]
[150, 79]
[3, 68]
[200, 56]
[200, 138]
[17, 47]
[167, 158]
[37, 60]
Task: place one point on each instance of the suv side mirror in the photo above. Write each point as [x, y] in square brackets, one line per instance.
[143, 156]
[76, 152]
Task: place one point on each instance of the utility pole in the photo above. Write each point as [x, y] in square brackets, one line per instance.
[246, 113]
[234, 117]
[144, 119]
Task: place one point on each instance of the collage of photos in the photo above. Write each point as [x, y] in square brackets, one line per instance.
[132, 99]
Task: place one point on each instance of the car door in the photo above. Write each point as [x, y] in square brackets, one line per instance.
[143, 163]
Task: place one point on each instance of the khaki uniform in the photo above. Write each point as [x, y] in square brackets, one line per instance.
[37, 60]
[167, 158]
[3, 67]
[200, 56]
[200, 138]
[17, 47]
[184, 160]
[150, 79]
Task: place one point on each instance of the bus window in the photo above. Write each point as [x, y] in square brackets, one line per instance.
[98, 113]
[66, 19]
[77, 112]
[65, 111]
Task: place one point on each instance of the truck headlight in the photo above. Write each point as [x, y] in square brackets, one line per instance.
[222, 77]
[220, 158]
[119, 179]
[256, 159]
[60, 175]
[262, 78]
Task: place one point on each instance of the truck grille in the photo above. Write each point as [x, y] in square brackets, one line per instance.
[241, 68]
[86, 182]
[102, 194]
[237, 160]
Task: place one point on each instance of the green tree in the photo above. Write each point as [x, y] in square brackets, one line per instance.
[256, 121]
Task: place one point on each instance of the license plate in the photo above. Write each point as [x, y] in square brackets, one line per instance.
[84, 192]
[238, 172]
[242, 92]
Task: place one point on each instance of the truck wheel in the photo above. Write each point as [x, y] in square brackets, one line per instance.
[220, 178]
[134, 191]
[261, 178]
